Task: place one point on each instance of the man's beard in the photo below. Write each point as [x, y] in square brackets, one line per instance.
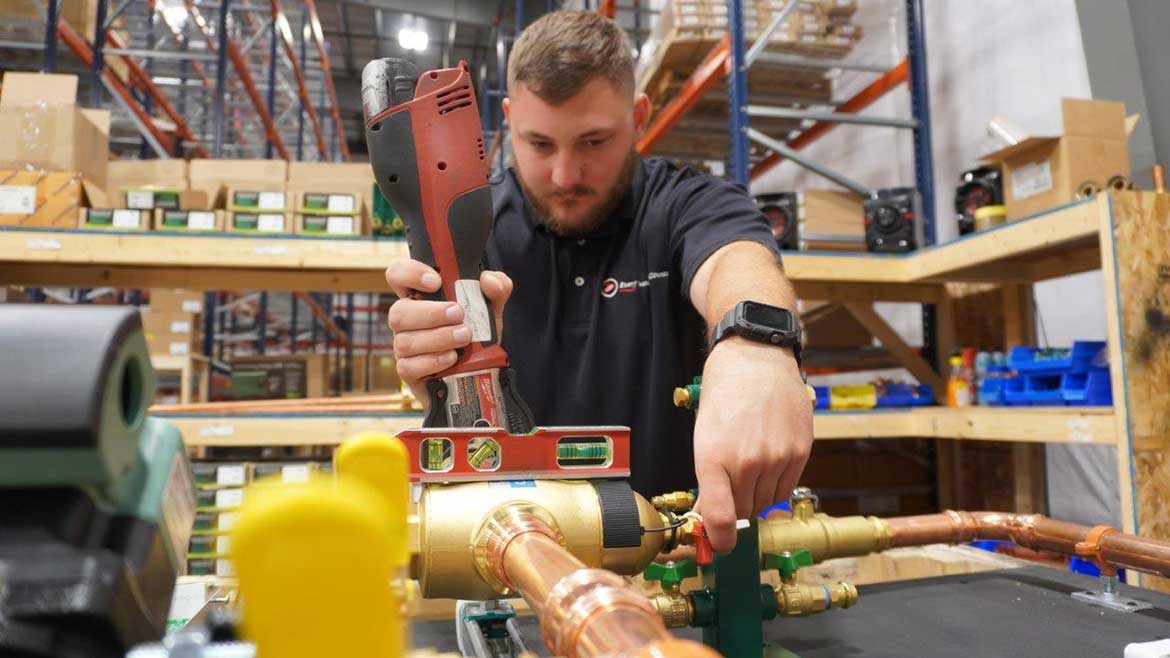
[596, 216]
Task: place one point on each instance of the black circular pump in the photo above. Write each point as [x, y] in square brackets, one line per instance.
[781, 211]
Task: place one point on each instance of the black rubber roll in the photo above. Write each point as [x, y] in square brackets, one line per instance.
[620, 524]
[71, 376]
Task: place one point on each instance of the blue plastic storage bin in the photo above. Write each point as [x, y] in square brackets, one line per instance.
[991, 391]
[1091, 389]
[822, 396]
[1043, 390]
[1080, 358]
[1013, 392]
[906, 395]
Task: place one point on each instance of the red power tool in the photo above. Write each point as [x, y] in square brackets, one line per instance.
[427, 151]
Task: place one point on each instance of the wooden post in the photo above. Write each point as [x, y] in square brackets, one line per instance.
[1135, 255]
[1029, 482]
[949, 464]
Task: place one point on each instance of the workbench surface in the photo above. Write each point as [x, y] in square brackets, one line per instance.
[994, 614]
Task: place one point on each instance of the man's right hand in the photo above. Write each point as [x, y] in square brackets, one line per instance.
[426, 333]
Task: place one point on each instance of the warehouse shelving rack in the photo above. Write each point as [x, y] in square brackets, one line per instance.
[217, 71]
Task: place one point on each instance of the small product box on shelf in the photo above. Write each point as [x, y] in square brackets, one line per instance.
[148, 198]
[41, 199]
[258, 222]
[115, 219]
[328, 213]
[247, 200]
[188, 221]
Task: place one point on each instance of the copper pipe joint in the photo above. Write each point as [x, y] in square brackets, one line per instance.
[593, 612]
[499, 530]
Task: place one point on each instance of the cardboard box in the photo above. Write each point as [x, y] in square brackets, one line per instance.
[189, 221]
[80, 14]
[214, 176]
[248, 199]
[114, 219]
[175, 323]
[40, 198]
[830, 220]
[356, 178]
[259, 222]
[122, 175]
[289, 376]
[167, 344]
[45, 129]
[1042, 172]
[375, 372]
[327, 225]
[164, 300]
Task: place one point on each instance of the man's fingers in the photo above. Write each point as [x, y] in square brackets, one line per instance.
[414, 314]
[496, 287]
[405, 275]
[430, 341]
[766, 485]
[414, 368]
[718, 508]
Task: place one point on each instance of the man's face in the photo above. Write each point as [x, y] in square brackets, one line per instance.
[575, 160]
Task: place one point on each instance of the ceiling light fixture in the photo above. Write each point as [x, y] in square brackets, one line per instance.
[412, 39]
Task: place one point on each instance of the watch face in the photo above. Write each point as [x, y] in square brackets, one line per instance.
[767, 316]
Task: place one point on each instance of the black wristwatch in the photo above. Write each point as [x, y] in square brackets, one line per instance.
[762, 323]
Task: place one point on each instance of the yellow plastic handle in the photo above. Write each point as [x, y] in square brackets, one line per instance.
[379, 460]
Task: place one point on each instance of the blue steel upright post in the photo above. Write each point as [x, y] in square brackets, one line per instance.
[300, 98]
[737, 169]
[208, 323]
[49, 64]
[271, 100]
[220, 110]
[920, 108]
[99, 58]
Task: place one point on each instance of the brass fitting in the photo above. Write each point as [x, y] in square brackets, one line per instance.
[800, 599]
[823, 536]
[675, 501]
[674, 607]
[449, 563]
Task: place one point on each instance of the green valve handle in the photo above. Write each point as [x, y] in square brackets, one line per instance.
[788, 561]
[671, 574]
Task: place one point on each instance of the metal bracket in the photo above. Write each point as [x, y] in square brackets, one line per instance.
[473, 619]
[1109, 598]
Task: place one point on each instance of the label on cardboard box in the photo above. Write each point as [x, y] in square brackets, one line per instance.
[192, 306]
[180, 326]
[271, 201]
[202, 220]
[18, 199]
[178, 349]
[140, 199]
[271, 223]
[229, 498]
[227, 521]
[124, 218]
[234, 474]
[340, 203]
[339, 225]
[294, 473]
[1031, 179]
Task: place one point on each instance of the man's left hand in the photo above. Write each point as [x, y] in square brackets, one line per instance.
[753, 434]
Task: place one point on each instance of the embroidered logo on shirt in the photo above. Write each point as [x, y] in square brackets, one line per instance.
[611, 287]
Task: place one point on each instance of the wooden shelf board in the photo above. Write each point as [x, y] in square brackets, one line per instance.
[1027, 424]
[1060, 241]
[1039, 425]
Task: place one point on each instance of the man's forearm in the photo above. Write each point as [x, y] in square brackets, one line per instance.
[741, 271]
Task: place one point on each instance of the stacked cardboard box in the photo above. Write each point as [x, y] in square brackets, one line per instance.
[829, 220]
[251, 193]
[331, 198]
[53, 155]
[288, 376]
[219, 493]
[172, 322]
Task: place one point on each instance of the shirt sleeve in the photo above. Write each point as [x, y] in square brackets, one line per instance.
[707, 214]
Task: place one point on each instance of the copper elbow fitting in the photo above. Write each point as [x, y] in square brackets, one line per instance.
[497, 532]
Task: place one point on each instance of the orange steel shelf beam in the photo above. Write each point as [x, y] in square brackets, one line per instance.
[713, 67]
[863, 99]
[334, 108]
[324, 318]
[286, 40]
[607, 8]
[241, 66]
[80, 48]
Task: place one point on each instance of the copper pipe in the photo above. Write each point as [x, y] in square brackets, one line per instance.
[584, 613]
[1101, 543]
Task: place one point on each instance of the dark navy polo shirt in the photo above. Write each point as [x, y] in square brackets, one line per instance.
[601, 330]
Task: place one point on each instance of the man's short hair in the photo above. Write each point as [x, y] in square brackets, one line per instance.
[561, 52]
